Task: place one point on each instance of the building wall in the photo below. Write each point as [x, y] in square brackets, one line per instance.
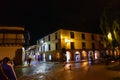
[64, 40]
[12, 40]
[65, 35]
[8, 51]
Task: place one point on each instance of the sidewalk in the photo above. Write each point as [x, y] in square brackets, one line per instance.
[82, 72]
[111, 66]
[34, 62]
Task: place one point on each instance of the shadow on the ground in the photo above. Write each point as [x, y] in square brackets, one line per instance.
[116, 78]
[114, 68]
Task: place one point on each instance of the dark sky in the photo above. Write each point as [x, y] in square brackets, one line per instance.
[41, 17]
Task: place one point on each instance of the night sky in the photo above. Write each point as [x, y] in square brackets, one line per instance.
[41, 17]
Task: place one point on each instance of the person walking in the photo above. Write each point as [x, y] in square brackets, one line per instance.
[29, 60]
[68, 66]
[6, 70]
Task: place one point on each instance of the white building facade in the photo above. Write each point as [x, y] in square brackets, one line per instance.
[68, 45]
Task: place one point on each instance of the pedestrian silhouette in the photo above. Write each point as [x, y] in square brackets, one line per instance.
[67, 66]
[6, 70]
[29, 60]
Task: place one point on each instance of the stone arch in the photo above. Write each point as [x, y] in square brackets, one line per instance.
[90, 54]
[77, 56]
[68, 56]
[97, 55]
[84, 55]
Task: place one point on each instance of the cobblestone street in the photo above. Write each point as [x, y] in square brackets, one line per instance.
[56, 71]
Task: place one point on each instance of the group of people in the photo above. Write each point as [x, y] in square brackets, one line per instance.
[7, 70]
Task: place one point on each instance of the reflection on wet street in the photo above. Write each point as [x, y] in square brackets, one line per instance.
[44, 70]
[34, 69]
[56, 71]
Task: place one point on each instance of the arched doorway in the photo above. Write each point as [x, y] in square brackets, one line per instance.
[90, 54]
[97, 54]
[68, 56]
[77, 56]
[84, 56]
[44, 57]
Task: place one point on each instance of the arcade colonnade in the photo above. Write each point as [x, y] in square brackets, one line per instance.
[76, 56]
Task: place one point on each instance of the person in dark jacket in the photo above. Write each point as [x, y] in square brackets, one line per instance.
[2, 77]
[7, 70]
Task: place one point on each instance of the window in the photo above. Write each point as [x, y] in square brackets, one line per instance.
[43, 48]
[83, 36]
[72, 45]
[56, 45]
[93, 46]
[83, 45]
[101, 38]
[56, 37]
[38, 42]
[49, 38]
[49, 47]
[72, 34]
[43, 39]
[92, 36]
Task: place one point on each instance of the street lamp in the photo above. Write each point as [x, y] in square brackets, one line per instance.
[109, 36]
[66, 40]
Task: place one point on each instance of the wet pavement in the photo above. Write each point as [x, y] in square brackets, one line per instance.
[34, 68]
[56, 71]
